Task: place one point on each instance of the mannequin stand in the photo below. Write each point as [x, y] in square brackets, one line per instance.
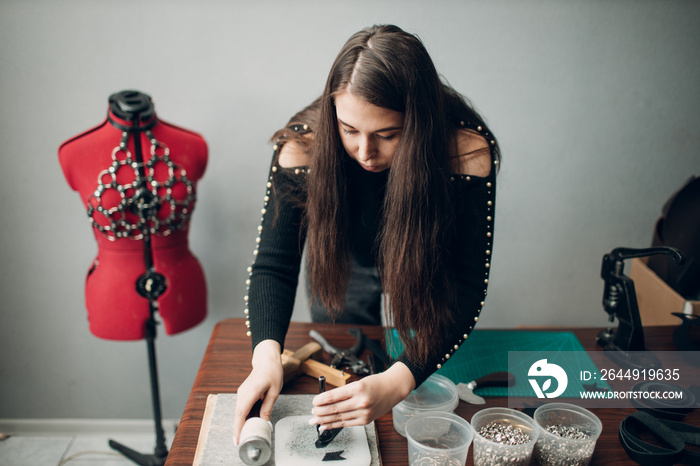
[161, 451]
[132, 106]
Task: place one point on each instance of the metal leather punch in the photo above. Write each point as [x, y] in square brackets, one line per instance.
[345, 358]
[625, 344]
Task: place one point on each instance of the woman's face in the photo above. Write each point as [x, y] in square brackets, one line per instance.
[369, 133]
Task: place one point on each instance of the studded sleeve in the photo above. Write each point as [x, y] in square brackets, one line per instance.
[476, 198]
[274, 273]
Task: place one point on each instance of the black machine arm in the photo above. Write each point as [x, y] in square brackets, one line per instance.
[620, 298]
[613, 261]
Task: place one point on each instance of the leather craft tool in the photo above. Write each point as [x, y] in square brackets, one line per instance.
[347, 358]
[292, 361]
[298, 362]
[620, 301]
[327, 436]
[256, 436]
[495, 379]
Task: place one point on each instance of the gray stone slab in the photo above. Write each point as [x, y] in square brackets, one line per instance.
[218, 448]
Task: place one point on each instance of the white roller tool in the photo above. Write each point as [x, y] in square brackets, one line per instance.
[256, 438]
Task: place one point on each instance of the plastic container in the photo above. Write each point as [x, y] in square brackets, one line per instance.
[437, 393]
[489, 452]
[554, 450]
[437, 437]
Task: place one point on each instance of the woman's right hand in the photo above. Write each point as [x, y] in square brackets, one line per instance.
[263, 383]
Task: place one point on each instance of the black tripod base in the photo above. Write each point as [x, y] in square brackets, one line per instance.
[156, 459]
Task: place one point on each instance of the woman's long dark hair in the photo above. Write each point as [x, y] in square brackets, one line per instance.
[390, 68]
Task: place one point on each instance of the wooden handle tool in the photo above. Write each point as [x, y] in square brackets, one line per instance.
[298, 362]
[292, 361]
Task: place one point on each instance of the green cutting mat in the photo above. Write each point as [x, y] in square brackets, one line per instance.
[486, 351]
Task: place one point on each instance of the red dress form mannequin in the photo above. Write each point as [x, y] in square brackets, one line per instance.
[123, 199]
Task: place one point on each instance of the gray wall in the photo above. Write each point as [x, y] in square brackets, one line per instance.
[595, 104]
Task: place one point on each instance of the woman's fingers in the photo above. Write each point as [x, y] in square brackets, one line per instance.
[250, 391]
[344, 406]
[345, 423]
[338, 394]
[363, 401]
[267, 405]
[342, 416]
[345, 419]
[263, 383]
[243, 406]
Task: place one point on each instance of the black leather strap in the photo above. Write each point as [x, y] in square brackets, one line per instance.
[673, 437]
[674, 409]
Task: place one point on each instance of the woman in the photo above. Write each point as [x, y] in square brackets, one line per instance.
[389, 177]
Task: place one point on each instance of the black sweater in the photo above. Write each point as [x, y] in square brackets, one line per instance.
[274, 274]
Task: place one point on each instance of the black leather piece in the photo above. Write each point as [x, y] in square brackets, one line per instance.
[672, 437]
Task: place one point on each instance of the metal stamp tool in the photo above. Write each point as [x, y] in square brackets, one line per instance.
[327, 436]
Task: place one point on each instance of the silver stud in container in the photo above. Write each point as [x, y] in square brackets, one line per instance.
[503, 436]
[560, 425]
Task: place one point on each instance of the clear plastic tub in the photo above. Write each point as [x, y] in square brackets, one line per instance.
[572, 421]
[437, 437]
[489, 452]
[437, 393]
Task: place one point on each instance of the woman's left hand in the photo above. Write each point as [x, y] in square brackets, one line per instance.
[363, 401]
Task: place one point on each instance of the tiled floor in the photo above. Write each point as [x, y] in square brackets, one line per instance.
[80, 448]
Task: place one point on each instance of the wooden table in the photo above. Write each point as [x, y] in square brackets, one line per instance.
[226, 364]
